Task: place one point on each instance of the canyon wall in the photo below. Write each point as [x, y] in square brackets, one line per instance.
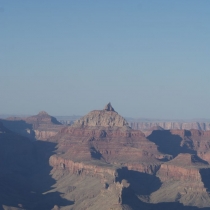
[170, 125]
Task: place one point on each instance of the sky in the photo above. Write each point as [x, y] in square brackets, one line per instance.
[149, 59]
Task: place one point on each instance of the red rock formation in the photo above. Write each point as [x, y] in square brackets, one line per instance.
[94, 156]
[185, 179]
[105, 136]
[186, 169]
[110, 146]
[42, 118]
[177, 173]
[82, 168]
[44, 125]
[102, 142]
[41, 126]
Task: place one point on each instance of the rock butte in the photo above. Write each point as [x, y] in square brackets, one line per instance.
[40, 126]
[102, 118]
[105, 136]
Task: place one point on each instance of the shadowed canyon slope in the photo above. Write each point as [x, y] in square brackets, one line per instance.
[100, 162]
[25, 173]
[40, 126]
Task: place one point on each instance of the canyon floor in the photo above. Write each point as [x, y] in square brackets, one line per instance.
[100, 162]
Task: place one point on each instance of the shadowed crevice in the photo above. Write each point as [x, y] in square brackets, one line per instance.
[205, 176]
[140, 183]
[25, 174]
[141, 186]
[95, 154]
[20, 127]
[169, 143]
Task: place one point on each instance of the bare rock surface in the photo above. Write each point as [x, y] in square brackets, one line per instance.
[102, 145]
[104, 118]
[185, 178]
[105, 136]
[42, 118]
[40, 126]
[100, 162]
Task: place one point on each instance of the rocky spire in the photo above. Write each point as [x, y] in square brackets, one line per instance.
[109, 107]
[107, 117]
[43, 113]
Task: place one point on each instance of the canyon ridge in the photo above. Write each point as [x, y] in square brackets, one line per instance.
[102, 161]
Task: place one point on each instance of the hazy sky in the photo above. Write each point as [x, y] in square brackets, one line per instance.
[148, 58]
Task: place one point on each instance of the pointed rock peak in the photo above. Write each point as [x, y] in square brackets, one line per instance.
[43, 113]
[42, 118]
[107, 117]
[109, 107]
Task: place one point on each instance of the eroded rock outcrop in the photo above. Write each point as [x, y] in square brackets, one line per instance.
[44, 125]
[82, 168]
[184, 181]
[40, 119]
[101, 143]
[105, 136]
[105, 118]
[185, 167]
[40, 126]
[101, 163]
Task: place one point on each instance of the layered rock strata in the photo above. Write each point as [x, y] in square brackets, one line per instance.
[105, 136]
[144, 126]
[101, 144]
[40, 126]
[185, 180]
[102, 163]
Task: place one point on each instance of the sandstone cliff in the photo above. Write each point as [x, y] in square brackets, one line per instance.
[185, 180]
